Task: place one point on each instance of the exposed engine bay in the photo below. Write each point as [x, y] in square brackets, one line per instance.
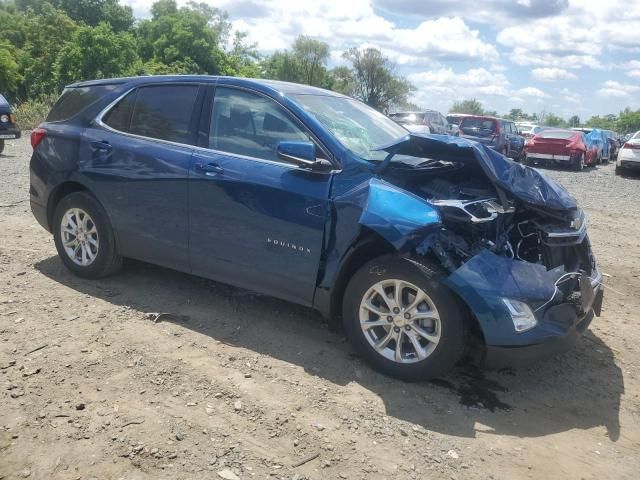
[478, 215]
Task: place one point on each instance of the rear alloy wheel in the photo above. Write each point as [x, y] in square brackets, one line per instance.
[402, 319]
[83, 236]
[579, 163]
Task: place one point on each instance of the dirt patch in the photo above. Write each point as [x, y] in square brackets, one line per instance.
[94, 383]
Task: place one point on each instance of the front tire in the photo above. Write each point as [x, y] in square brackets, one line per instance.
[401, 318]
[83, 236]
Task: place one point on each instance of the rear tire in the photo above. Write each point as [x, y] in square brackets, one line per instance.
[84, 237]
[1, 146]
[579, 163]
[436, 322]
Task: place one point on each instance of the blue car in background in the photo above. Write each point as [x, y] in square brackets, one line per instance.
[419, 243]
[8, 128]
[598, 140]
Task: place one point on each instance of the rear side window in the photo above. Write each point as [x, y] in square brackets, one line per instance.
[165, 112]
[119, 117]
[76, 99]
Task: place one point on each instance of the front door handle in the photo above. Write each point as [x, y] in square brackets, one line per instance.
[210, 168]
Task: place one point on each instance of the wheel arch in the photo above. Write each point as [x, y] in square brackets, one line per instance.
[58, 193]
[367, 246]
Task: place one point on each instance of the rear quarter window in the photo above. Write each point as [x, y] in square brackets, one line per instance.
[76, 99]
[165, 112]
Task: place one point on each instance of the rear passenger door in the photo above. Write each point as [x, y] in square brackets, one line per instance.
[255, 221]
[137, 157]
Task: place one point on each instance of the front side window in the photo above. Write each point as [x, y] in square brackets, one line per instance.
[165, 112]
[247, 124]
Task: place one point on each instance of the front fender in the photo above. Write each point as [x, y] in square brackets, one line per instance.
[395, 214]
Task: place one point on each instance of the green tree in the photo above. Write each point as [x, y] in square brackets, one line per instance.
[607, 122]
[341, 79]
[312, 56]
[10, 76]
[628, 121]
[282, 66]
[471, 107]
[515, 114]
[374, 81]
[91, 12]
[574, 121]
[192, 35]
[551, 120]
[96, 52]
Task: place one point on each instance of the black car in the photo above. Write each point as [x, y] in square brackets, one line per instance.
[8, 128]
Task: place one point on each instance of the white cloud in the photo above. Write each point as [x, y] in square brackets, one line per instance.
[633, 73]
[615, 89]
[570, 96]
[552, 74]
[531, 92]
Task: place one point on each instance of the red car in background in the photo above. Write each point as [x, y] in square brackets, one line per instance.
[559, 146]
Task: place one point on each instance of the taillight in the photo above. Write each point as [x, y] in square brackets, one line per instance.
[37, 136]
[635, 146]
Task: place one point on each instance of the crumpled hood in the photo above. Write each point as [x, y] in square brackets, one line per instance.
[524, 183]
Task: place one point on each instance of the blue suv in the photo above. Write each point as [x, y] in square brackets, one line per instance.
[423, 245]
[8, 128]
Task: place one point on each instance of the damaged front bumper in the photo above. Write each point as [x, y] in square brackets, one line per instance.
[485, 281]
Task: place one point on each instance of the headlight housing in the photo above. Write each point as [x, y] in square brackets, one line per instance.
[521, 315]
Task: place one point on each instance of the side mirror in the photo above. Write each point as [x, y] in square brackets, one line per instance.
[302, 154]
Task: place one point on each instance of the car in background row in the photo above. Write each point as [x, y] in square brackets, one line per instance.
[599, 140]
[529, 130]
[614, 144]
[629, 154]
[416, 121]
[500, 135]
[561, 147]
[8, 128]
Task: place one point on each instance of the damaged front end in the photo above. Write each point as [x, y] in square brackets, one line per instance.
[514, 243]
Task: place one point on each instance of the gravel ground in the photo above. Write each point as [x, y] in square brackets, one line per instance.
[231, 385]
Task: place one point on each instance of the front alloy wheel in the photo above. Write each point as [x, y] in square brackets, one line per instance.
[400, 321]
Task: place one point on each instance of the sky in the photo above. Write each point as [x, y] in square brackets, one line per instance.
[568, 57]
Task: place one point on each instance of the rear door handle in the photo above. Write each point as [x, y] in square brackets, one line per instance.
[103, 147]
[210, 168]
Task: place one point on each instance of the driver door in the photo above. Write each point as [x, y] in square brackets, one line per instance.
[255, 221]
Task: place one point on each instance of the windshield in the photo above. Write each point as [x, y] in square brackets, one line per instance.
[357, 126]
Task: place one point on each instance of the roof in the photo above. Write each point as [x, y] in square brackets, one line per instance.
[274, 86]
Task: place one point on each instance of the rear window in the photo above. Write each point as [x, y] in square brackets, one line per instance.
[478, 126]
[558, 135]
[76, 99]
[165, 112]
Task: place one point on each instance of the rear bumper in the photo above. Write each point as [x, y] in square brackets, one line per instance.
[40, 212]
[10, 134]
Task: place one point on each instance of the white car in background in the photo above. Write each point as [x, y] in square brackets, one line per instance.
[629, 154]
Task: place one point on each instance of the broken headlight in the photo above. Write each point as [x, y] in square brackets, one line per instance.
[521, 315]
